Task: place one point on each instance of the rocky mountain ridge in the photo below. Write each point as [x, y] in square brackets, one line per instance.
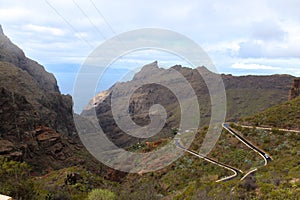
[12, 54]
[246, 95]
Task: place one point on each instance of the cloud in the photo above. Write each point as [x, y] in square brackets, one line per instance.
[270, 39]
[14, 13]
[179, 11]
[230, 31]
[45, 29]
[252, 66]
[268, 31]
[266, 49]
[251, 48]
[139, 58]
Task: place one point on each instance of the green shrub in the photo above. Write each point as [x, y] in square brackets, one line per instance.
[101, 194]
[15, 180]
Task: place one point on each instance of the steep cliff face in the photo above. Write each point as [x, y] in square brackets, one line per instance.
[12, 54]
[246, 95]
[295, 89]
[36, 120]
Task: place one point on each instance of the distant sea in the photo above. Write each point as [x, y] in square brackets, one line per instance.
[66, 74]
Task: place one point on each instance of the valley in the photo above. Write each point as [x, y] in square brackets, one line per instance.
[42, 157]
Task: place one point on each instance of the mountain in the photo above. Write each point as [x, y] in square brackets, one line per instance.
[191, 177]
[246, 95]
[36, 119]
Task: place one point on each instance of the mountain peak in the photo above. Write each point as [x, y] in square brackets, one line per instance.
[11, 53]
[146, 70]
[151, 65]
[204, 69]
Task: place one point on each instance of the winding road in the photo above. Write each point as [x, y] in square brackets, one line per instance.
[267, 158]
[263, 154]
[269, 128]
[233, 169]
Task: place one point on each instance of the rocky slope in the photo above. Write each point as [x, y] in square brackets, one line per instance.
[285, 115]
[246, 95]
[36, 119]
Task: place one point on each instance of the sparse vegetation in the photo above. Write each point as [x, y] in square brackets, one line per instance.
[285, 115]
[16, 181]
[101, 194]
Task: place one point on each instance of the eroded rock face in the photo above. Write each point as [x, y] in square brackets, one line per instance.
[36, 119]
[46, 134]
[36, 144]
[52, 143]
[295, 89]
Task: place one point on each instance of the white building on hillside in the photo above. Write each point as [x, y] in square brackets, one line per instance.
[3, 197]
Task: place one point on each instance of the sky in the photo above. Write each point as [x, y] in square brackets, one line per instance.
[240, 37]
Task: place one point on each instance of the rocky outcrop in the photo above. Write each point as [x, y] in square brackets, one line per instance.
[5, 147]
[46, 140]
[295, 89]
[1, 30]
